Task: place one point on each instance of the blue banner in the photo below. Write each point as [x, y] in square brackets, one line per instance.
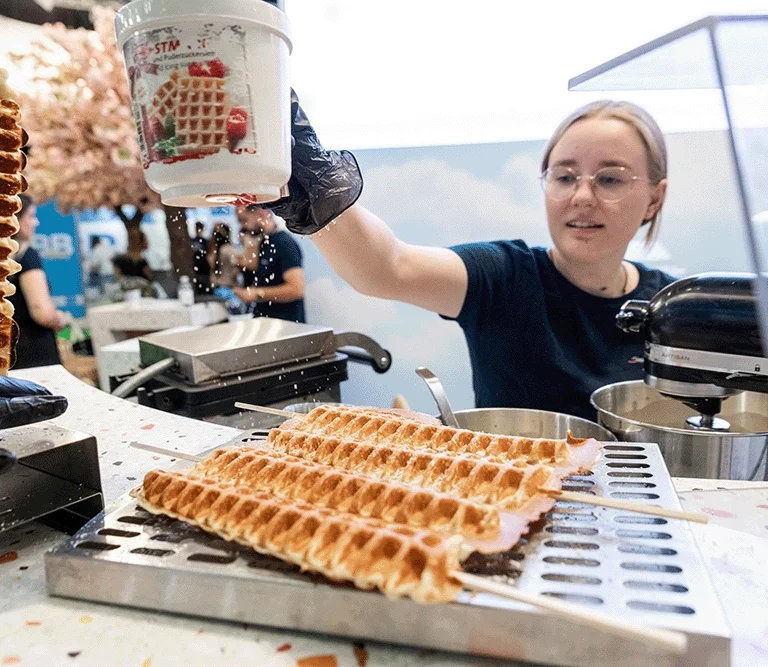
[56, 241]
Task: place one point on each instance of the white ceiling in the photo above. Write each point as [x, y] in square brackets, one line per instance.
[378, 73]
[389, 73]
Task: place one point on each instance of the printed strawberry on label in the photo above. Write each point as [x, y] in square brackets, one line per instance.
[217, 68]
[197, 69]
[237, 126]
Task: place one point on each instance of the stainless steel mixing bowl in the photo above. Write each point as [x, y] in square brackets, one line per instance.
[637, 413]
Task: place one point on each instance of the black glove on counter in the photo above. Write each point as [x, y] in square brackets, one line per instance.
[24, 402]
[323, 183]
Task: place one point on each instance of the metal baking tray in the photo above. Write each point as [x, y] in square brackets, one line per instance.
[630, 566]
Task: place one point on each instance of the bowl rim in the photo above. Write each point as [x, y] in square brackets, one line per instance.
[543, 412]
[664, 429]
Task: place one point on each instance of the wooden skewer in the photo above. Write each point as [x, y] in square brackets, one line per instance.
[627, 505]
[669, 640]
[165, 452]
[265, 410]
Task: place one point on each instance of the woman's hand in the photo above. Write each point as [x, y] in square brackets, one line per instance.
[64, 320]
[245, 294]
[24, 402]
[323, 183]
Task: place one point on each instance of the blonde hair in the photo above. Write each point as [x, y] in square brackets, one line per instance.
[645, 126]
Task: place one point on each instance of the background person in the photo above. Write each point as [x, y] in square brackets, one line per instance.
[278, 281]
[99, 264]
[539, 323]
[37, 317]
[222, 257]
[129, 278]
[202, 281]
[138, 243]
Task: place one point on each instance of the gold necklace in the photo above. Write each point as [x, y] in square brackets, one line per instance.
[551, 255]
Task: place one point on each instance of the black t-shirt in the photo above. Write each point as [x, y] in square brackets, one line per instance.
[536, 340]
[200, 255]
[279, 252]
[37, 344]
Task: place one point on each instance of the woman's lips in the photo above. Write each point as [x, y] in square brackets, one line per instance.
[583, 224]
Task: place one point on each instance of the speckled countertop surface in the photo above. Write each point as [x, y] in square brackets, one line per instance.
[38, 630]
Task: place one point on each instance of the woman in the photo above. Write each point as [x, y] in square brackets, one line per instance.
[539, 323]
[137, 246]
[36, 315]
[248, 259]
[222, 257]
[129, 277]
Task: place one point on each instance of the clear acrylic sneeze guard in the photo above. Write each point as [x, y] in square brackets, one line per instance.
[728, 54]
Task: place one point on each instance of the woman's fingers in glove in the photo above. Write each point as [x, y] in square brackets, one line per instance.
[15, 387]
[30, 409]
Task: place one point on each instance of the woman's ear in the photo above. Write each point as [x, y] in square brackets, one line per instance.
[657, 200]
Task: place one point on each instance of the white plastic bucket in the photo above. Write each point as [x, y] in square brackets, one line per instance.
[211, 98]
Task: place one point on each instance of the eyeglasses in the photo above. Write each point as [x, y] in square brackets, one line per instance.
[610, 184]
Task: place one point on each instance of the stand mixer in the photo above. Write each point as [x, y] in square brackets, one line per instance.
[702, 342]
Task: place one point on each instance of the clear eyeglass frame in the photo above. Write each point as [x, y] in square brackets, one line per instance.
[606, 192]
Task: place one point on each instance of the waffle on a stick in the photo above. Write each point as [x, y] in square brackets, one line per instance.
[296, 479]
[506, 485]
[396, 559]
[569, 455]
[12, 182]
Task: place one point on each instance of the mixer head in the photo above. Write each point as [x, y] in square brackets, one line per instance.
[702, 342]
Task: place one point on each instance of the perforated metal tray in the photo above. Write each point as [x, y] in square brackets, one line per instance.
[627, 565]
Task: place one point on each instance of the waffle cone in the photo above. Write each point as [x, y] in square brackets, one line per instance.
[12, 161]
[398, 560]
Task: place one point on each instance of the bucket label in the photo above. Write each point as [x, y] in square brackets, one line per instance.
[190, 92]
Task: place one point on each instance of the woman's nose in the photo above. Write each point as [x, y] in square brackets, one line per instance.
[584, 193]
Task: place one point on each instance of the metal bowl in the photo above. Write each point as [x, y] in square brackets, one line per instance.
[530, 423]
[637, 413]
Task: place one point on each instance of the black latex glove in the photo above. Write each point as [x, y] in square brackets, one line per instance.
[7, 459]
[323, 183]
[24, 402]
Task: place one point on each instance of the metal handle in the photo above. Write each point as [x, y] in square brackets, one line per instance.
[438, 393]
[633, 315]
[372, 353]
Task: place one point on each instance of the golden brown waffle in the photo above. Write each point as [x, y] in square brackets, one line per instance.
[296, 479]
[507, 485]
[12, 161]
[201, 113]
[398, 560]
[164, 102]
[363, 426]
